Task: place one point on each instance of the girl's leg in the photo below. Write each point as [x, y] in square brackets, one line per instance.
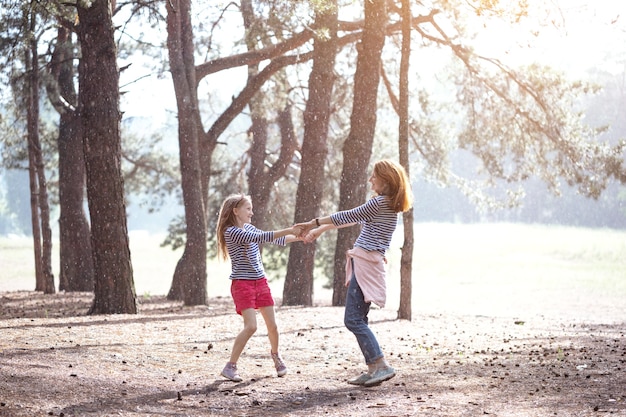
[249, 328]
[272, 333]
[356, 320]
[272, 327]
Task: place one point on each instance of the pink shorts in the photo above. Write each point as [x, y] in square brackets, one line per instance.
[251, 293]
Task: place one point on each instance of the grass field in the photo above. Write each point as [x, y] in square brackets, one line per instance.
[481, 269]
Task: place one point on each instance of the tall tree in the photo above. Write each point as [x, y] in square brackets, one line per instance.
[40, 208]
[298, 289]
[76, 272]
[99, 107]
[406, 261]
[357, 148]
[265, 167]
[189, 282]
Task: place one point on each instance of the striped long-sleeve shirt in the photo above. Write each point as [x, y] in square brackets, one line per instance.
[378, 220]
[243, 250]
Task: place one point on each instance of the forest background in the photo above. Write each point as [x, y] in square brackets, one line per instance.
[564, 43]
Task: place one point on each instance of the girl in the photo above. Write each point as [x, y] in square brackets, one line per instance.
[240, 240]
[365, 265]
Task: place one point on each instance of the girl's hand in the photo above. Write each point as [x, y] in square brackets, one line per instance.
[297, 230]
[301, 229]
[311, 236]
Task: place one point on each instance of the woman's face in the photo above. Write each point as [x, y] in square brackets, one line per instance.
[243, 213]
[378, 185]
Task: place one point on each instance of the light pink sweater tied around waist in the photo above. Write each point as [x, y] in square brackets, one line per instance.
[369, 268]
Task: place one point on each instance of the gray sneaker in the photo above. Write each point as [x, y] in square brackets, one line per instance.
[281, 368]
[380, 375]
[360, 380]
[230, 372]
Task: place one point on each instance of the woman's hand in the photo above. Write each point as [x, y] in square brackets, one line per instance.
[303, 228]
[312, 235]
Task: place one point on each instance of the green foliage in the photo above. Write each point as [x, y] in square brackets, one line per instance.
[516, 9]
[533, 128]
[148, 171]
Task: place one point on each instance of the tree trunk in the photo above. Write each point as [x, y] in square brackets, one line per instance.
[34, 219]
[258, 185]
[406, 261]
[40, 209]
[76, 264]
[263, 175]
[357, 148]
[189, 282]
[298, 289]
[114, 290]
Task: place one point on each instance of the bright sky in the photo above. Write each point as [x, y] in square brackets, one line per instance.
[575, 35]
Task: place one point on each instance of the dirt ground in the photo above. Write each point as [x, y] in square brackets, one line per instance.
[165, 361]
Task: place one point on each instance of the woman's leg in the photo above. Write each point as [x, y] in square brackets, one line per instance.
[356, 320]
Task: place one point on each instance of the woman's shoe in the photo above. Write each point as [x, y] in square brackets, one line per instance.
[360, 380]
[380, 375]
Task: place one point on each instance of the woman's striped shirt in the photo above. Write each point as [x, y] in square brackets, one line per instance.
[243, 250]
[378, 220]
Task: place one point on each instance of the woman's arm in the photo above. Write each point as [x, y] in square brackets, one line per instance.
[317, 232]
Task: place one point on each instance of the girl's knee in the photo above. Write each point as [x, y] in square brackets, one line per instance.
[250, 329]
[351, 323]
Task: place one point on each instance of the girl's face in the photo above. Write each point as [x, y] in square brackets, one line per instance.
[243, 213]
[378, 185]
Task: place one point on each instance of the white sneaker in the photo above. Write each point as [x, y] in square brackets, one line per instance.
[281, 368]
[230, 372]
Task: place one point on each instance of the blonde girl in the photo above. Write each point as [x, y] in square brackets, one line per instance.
[238, 239]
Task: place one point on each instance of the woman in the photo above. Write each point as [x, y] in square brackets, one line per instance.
[365, 264]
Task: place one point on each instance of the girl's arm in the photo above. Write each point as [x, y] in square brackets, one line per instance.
[315, 233]
[295, 230]
[292, 238]
[291, 234]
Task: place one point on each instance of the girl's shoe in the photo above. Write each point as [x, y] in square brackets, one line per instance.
[380, 375]
[230, 372]
[360, 380]
[281, 368]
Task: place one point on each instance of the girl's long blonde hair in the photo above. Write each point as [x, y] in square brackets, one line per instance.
[227, 219]
[398, 184]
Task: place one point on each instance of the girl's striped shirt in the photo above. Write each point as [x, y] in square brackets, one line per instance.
[378, 220]
[244, 253]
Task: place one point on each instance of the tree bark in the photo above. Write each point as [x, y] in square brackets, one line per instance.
[76, 264]
[406, 260]
[40, 209]
[261, 178]
[357, 148]
[114, 290]
[298, 289]
[189, 282]
[259, 186]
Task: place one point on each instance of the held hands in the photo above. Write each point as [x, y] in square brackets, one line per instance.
[306, 232]
[297, 230]
[312, 235]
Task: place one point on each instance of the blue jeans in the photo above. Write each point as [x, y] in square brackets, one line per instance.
[355, 319]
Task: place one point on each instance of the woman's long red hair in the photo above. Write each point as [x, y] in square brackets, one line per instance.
[398, 185]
